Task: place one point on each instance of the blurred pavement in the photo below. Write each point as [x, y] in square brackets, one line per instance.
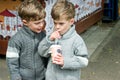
[105, 60]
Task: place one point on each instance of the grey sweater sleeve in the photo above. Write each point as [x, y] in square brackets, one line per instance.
[12, 58]
[44, 45]
[80, 58]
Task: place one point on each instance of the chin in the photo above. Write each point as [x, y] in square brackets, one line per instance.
[38, 31]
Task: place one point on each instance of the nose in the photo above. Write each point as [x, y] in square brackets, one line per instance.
[42, 24]
[57, 26]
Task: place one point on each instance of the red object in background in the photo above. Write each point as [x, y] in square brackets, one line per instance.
[7, 13]
[76, 6]
[1, 21]
[8, 28]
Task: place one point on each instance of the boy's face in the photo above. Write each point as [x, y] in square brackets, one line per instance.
[35, 26]
[63, 25]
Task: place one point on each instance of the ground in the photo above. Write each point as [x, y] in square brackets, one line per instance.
[107, 64]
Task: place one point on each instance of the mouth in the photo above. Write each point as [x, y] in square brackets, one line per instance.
[39, 30]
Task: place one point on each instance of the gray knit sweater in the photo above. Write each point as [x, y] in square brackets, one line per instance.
[75, 56]
[23, 61]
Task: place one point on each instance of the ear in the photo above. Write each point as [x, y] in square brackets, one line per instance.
[72, 21]
[24, 22]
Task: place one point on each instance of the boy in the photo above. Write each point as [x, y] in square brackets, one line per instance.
[23, 61]
[66, 64]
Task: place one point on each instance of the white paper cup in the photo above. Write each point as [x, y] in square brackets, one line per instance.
[56, 49]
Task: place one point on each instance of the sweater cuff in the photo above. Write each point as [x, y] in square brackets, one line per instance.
[49, 41]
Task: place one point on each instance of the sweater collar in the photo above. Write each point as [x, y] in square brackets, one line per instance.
[69, 33]
[27, 31]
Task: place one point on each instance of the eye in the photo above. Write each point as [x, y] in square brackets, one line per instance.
[37, 23]
[40, 22]
[61, 23]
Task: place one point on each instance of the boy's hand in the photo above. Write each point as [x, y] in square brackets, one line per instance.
[55, 35]
[58, 59]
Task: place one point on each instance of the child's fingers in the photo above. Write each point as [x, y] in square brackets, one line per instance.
[58, 35]
[58, 62]
[55, 35]
[58, 59]
[59, 55]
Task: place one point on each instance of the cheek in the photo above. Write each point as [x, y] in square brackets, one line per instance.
[63, 29]
[34, 27]
[43, 28]
[66, 28]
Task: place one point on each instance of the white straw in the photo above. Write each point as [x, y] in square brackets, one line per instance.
[56, 41]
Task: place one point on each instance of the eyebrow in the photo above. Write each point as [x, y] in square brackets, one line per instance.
[58, 22]
[39, 21]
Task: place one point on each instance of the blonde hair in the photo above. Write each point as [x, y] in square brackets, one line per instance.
[31, 10]
[63, 7]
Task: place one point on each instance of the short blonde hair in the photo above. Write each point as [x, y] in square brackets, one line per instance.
[31, 10]
[63, 7]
